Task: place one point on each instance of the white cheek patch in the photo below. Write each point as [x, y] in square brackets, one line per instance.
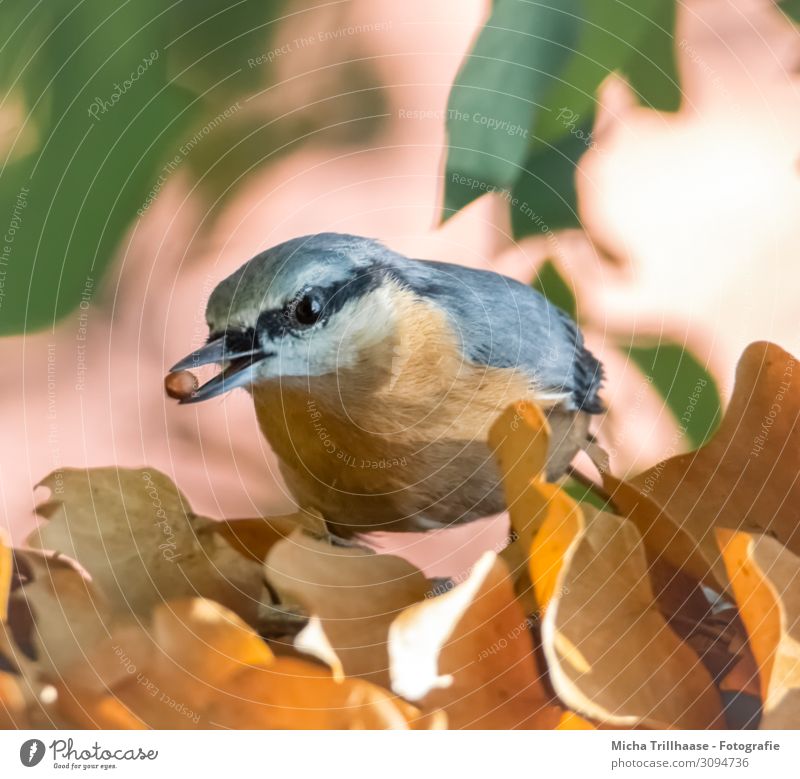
[340, 342]
[359, 325]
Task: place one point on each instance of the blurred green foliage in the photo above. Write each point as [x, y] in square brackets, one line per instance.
[521, 110]
[687, 387]
[552, 285]
[583, 494]
[115, 98]
[791, 8]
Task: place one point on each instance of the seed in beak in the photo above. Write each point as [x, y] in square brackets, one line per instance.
[180, 384]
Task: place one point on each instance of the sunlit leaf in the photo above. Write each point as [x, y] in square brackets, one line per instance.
[765, 579]
[354, 592]
[137, 536]
[610, 654]
[520, 439]
[199, 666]
[6, 569]
[745, 477]
[469, 653]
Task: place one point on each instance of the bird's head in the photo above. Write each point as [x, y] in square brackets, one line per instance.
[304, 308]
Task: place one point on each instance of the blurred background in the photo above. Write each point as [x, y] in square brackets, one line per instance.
[148, 150]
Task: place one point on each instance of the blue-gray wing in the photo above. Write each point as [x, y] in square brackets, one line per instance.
[505, 324]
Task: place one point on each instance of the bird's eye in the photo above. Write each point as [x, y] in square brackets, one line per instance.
[308, 310]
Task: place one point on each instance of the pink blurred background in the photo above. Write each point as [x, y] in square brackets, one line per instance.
[698, 211]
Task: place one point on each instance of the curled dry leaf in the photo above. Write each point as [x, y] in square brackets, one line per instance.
[610, 653]
[469, 653]
[12, 704]
[745, 478]
[765, 579]
[199, 666]
[253, 538]
[136, 535]
[520, 439]
[354, 592]
[55, 616]
[665, 539]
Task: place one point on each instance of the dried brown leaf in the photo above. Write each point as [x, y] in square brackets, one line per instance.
[520, 438]
[354, 592]
[199, 666]
[55, 617]
[664, 538]
[610, 653]
[469, 653]
[6, 569]
[137, 536]
[765, 579]
[745, 478]
[12, 704]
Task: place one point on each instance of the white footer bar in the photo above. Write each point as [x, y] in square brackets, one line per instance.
[400, 754]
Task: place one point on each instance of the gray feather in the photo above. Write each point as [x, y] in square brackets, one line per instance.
[505, 324]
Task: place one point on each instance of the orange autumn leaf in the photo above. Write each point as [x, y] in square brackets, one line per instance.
[765, 579]
[12, 704]
[746, 476]
[572, 721]
[520, 440]
[354, 592]
[254, 537]
[197, 665]
[469, 653]
[136, 535]
[610, 653]
[6, 570]
[664, 538]
[550, 546]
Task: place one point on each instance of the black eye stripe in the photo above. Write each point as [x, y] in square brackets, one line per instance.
[331, 299]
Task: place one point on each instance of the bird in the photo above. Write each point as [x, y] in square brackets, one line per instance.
[376, 377]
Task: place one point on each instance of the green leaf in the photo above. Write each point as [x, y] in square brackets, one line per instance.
[535, 68]
[652, 71]
[791, 8]
[611, 36]
[107, 119]
[583, 494]
[498, 91]
[545, 197]
[221, 49]
[552, 285]
[688, 389]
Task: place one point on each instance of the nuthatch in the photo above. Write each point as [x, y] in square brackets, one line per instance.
[376, 378]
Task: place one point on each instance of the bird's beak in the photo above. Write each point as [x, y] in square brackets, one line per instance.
[238, 371]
